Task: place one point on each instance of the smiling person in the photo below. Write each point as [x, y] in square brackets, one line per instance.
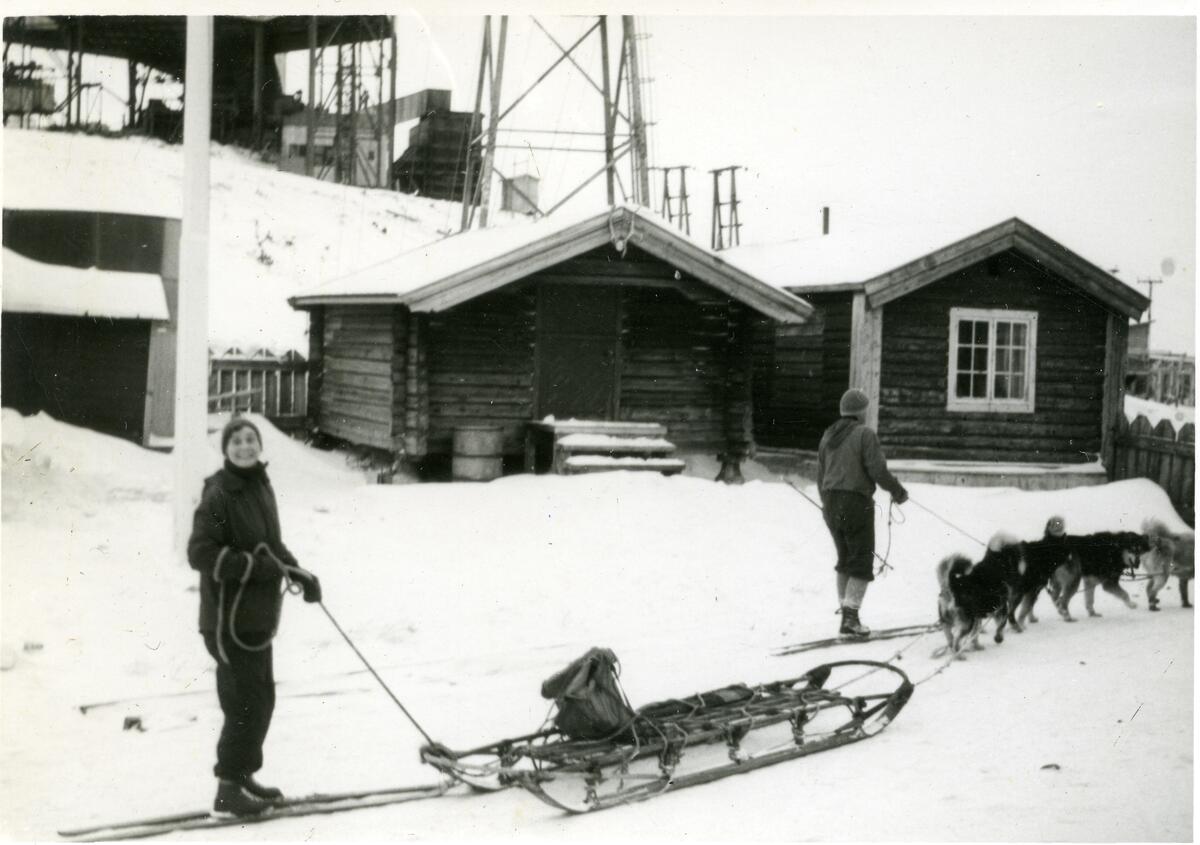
[244, 570]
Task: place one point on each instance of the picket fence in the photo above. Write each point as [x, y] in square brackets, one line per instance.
[1162, 454]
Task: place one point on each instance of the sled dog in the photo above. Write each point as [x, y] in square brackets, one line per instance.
[1169, 554]
[1043, 558]
[1097, 560]
[970, 593]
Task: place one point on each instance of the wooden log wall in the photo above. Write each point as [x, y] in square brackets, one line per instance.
[1066, 425]
[1163, 456]
[481, 366]
[800, 373]
[674, 366]
[355, 364]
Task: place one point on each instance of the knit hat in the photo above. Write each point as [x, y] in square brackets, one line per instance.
[1056, 526]
[234, 425]
[853, 403]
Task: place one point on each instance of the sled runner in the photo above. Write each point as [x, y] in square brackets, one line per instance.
[601, 753]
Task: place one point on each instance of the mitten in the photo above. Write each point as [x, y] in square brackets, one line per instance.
[903, 497]
[309, 582]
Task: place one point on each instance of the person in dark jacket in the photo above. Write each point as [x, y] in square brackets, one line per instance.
[243, 563]
[850, 463]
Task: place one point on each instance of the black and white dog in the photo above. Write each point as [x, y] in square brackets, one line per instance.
[1043, 558]
[970, 593]
[1097, 559]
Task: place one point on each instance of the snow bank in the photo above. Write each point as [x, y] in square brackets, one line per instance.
[465, 596]
[1156, 412]
[272, 233]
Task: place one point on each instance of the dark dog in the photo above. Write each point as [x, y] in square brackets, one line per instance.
[1097, 559]
[1170, 554]
[1043, 558]
[971, 593]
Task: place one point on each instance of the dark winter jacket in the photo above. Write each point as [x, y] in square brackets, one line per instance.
[237, 512]
[850, 458]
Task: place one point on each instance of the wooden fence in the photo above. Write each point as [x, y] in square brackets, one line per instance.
[275, 386]
[1162, 455]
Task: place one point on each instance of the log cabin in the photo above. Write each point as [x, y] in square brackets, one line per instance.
[612, 316]
[1004, 346]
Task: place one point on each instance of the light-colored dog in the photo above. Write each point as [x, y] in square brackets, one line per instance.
[1170, 554]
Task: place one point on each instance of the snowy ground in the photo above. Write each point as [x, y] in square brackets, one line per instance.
[465, 596]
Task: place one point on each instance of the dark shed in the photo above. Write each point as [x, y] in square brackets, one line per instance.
[1002, 346]
[610, 317]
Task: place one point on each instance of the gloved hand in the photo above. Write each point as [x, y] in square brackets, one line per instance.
[309, 582]
[266, 567]
[903, 497]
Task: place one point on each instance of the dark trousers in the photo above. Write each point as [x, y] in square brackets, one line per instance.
[850, 518]
[246, 690]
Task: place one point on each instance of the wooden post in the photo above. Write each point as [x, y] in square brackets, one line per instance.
[485, 170]
[256, 99]
[641, 164]
[311, 118]
[132, 104]
[191, 364]
[866, 344]
[391, 126]
[1113, 402]
[485, 56]
[609, 118]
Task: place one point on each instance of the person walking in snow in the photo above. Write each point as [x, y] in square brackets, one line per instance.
[850, 463]
[236, 547]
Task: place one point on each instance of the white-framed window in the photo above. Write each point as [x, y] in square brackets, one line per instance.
[993, 358]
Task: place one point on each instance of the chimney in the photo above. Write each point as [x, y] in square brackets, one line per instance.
[824, 220]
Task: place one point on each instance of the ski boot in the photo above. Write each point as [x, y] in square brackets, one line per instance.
[852, 628]
[234, 799]
[266, 793]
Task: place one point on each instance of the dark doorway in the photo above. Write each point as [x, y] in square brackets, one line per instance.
[578, 332]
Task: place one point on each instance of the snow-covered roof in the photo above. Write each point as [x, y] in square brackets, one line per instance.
[32, 287]
[68, 171]
[453, 270]
[888, 262]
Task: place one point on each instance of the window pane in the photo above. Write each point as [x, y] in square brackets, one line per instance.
[964, 358]
[981, 332]
[1019, 331]
[1002, 360]
[1018, 361]
[1002, 331]
[1000, 390]
[964, 331]
[962, 386]
[979, 385]
[979, 361]
[1018, 387]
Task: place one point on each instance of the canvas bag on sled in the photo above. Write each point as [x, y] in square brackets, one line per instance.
[590, 704]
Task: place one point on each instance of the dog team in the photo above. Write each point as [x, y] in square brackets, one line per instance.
[1006, 583]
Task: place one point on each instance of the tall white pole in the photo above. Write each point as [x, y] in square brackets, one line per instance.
[191, 367]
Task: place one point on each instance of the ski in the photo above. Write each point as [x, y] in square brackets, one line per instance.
[881, 634]
[310, 805]
[677, 743]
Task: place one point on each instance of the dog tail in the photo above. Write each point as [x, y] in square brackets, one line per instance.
[1001, 540]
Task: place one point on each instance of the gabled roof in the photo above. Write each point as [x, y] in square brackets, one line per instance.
[33, 287]
[1012, 234]
[878, 260]
[461, 267]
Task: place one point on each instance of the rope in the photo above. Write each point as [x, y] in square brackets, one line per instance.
[291, 586]
[882, 560]
[947, 522]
